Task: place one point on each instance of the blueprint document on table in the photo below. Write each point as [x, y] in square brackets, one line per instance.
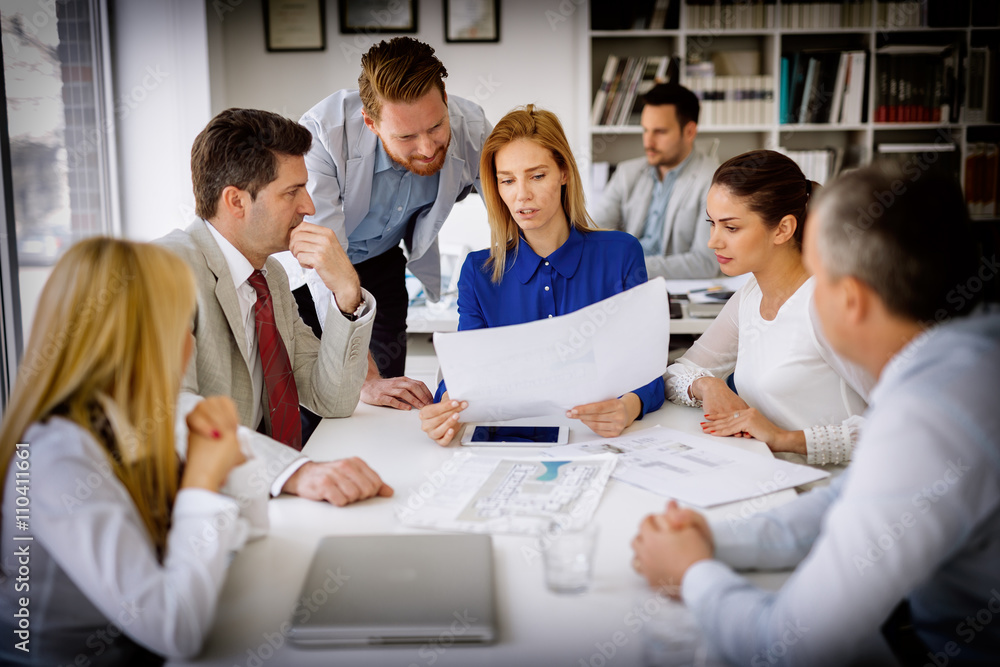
[694, 469]
[489, 494]
[546, 367]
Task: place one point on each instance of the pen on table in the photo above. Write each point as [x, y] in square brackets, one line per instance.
[713, 288]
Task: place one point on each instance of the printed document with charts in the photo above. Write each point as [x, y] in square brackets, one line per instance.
[491, 494]
[694, 469]
[549, 366]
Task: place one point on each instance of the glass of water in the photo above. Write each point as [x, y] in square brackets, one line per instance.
[569, 558]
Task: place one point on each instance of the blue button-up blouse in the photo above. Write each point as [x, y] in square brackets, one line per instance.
[588, 267]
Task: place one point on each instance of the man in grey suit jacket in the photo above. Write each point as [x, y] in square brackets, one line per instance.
[250, 191]
[661, 199]
[388, 163]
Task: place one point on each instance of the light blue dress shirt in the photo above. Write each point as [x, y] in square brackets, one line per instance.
[585, 269]
[916, 517]
[397, 196]
[652, 233]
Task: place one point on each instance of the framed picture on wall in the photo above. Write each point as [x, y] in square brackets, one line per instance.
[472, 20]
[294, 25]
[368, 16]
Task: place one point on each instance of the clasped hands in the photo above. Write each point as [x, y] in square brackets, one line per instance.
[214, 450]
[607, 419]
[670, 543]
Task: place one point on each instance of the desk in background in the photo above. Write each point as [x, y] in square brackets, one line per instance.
[537, 627]
[428, 319]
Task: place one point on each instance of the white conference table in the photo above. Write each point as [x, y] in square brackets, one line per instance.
[536, 627]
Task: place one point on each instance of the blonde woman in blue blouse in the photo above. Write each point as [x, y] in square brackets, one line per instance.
[545, 259]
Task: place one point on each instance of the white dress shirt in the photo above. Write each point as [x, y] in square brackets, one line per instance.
[91, 560]
[784, 368]
[916, 516]
[240, 270]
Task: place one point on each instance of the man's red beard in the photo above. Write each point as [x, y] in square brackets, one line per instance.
[421, 168]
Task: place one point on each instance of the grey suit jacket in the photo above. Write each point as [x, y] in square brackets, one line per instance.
[342, 160]
[328, 373]
[625, 202]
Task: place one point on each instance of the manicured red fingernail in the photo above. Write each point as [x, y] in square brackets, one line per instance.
[702, 423]
[216, 435]
[711, 431]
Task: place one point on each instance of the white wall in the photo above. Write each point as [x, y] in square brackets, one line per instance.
[162, 100]
[534, 62]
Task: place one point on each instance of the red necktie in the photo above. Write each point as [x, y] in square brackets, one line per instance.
[282, 396]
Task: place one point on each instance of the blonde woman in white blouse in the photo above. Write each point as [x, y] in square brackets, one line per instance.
[128, 547]
[792, 391]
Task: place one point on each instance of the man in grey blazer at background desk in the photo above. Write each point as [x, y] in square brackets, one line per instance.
[661, 198]
[250, 344]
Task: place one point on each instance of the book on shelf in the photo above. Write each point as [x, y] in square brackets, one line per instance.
[818, 165]
[730, 14]
[839, 86]
[624, 83]
[597, 110]
[733, 100]
[618, 95]
[810, 14]
[810, 91]
[917, 84]
[613, 90]
[852, 110]
[795, 83]
[982, 179]
[783, 101]
[631, 93]
[658, 20]
[817, 86]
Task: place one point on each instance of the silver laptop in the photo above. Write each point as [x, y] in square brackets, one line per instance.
[397, 589]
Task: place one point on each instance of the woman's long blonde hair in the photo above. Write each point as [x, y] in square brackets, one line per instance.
[543, 128]
[108, 337]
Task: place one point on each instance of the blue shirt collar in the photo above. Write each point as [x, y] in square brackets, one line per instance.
[382, 159]
[565, 259]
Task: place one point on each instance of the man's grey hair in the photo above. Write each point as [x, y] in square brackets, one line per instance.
[905, 234]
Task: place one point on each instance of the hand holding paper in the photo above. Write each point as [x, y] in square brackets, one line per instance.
[546, 367]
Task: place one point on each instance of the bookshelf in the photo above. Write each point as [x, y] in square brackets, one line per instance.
[909, 35]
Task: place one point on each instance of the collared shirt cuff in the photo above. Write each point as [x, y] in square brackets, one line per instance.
[366, 305]
[702, 578]
[736, 541]
[195, 501]
[283, 476]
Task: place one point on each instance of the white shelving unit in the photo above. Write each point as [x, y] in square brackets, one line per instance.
[616, 143]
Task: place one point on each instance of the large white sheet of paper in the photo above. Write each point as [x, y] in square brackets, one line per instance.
[693, 469]
[489, 494]
[546, 367]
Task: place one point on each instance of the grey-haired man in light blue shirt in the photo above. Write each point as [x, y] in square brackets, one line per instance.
[901, 552]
